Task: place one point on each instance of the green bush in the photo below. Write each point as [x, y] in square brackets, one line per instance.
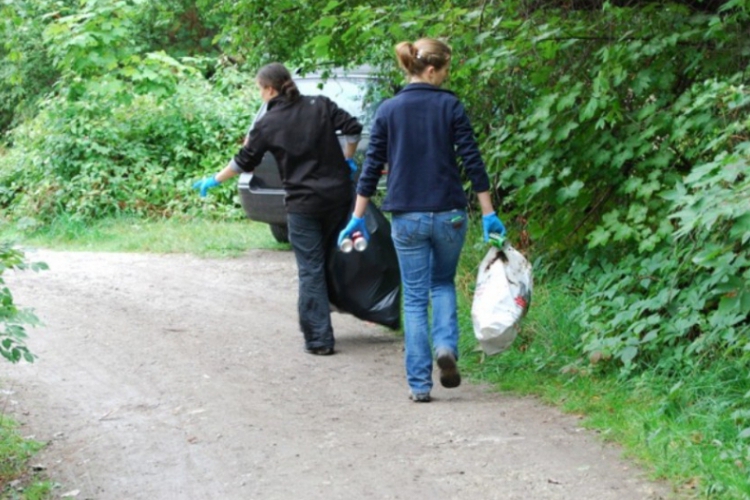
[100, 156]
[26, 69]
[685, 304]
[125, 129]
[12, 319]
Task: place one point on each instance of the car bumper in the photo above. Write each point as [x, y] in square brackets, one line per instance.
[261, 203]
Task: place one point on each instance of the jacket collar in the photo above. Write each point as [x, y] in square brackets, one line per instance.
[280, 102]
[424, 86]
[275, 101]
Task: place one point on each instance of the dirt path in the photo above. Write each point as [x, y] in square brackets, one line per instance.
[173, 377]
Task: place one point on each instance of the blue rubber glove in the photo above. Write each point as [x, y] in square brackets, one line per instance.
[355, 224]
[352, 166]
[491, 224]
[204, 185]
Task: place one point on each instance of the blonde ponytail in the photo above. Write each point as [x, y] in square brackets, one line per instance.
[415, 57]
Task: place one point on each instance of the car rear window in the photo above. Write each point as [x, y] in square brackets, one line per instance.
[349, 93]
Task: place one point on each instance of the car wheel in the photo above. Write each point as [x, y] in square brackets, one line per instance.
[280, 232]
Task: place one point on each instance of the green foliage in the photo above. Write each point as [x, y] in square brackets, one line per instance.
[258, 31]
[12, 319]
[179, 27]
[70, 44]
[96, 48]
[98, 156]
[685, 304]
[126, 130]
[26, 70]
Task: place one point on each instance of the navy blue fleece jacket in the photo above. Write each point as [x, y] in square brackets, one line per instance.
[420, 133]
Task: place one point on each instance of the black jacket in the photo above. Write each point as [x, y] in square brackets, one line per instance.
[301, 135]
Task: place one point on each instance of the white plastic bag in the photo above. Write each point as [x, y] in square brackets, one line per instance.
[501, 298]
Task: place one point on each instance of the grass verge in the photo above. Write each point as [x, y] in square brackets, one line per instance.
[206, 238]
[17, 480]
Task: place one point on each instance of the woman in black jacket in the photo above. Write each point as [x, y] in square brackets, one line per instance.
[300, 132]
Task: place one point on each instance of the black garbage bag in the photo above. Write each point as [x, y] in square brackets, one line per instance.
[367, 284]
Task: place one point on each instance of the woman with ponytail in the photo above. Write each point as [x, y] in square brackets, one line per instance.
[420, 133]
[300, 132]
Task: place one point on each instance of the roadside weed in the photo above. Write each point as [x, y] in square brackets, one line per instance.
[15, 480]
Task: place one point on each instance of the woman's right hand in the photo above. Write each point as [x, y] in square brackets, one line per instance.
[204, 185]
[355, 224]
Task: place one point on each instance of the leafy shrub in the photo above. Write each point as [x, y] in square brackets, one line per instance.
[102, 155]
[684, 300]
[12, 319]
[125, 130]
[688, 302]
[26, 69]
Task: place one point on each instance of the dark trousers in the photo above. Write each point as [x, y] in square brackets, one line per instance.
[311, 237]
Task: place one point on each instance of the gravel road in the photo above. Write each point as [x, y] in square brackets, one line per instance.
[176, 377]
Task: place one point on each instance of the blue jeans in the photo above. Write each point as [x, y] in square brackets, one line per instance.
[428, 245]
[311, 239]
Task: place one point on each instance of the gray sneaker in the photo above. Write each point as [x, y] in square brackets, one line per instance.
[420, 397]
[449, 375]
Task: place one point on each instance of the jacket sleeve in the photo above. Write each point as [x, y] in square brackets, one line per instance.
[468, 150]
[251, 153]
[375, 158]
[343, 121]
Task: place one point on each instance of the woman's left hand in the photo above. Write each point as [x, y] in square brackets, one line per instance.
[492, 224]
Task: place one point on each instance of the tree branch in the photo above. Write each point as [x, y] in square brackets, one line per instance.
[481, 15]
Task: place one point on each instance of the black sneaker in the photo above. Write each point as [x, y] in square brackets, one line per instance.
[421, 397]
[449, 376]
[319, 351]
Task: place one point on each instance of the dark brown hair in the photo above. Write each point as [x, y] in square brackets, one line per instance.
[415, 57]
[276, 76]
